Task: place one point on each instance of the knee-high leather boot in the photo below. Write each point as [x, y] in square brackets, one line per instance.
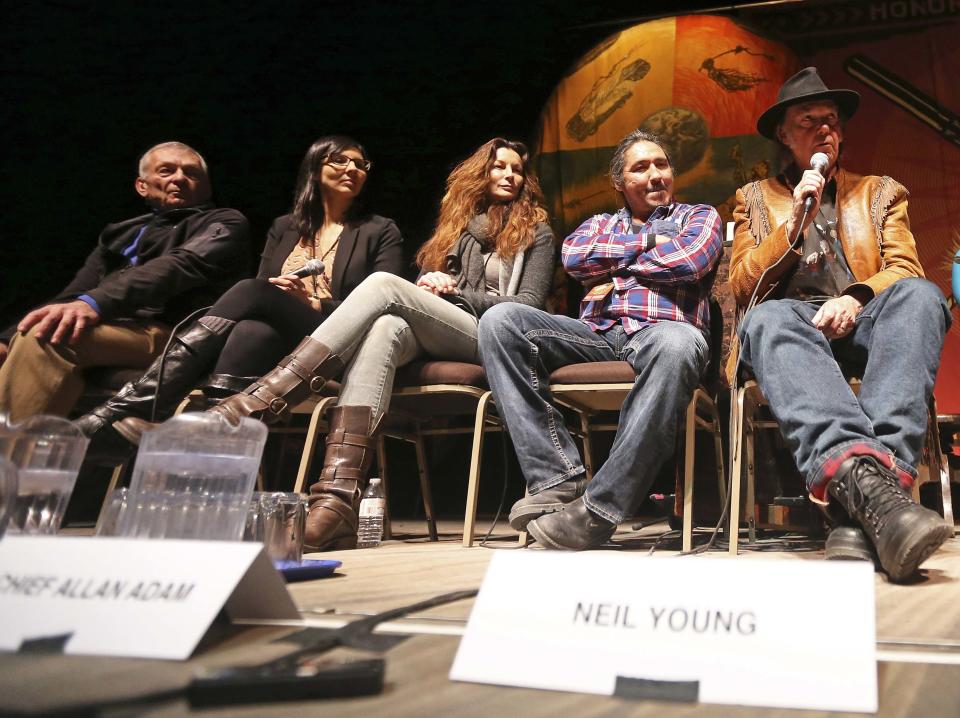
[215, 388]
[188, 358]
[270, 398]
[335, 498]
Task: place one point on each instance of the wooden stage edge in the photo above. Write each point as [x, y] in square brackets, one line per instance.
[918, 632]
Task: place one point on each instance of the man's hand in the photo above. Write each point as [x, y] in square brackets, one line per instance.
[837, 316]
[438, 283]
[61, 322]
[292, 285]
[810, 185]
[4, 350]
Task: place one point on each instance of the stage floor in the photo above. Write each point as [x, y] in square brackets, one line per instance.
[918, 632]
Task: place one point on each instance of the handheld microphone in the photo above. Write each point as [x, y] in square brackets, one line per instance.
[819, 162]
[312, 268]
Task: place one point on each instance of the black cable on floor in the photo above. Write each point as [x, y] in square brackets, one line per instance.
[503, 498]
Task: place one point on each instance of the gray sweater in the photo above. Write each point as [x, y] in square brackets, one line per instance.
[526, 277]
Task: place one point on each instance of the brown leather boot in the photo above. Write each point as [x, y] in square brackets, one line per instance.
[335, 499]
[269, 398]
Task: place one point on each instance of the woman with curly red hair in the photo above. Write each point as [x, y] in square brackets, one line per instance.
[491, 245]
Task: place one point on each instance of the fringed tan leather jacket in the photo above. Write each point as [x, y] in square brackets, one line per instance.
[874, 231]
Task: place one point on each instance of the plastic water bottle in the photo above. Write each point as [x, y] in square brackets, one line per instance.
[373, 505]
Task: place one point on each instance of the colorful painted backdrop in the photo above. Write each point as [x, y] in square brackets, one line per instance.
[701, 82]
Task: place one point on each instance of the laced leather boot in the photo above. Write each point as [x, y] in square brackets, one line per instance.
[270, 398]
[188, 358]
[334, 502]
[846, 542]
[904, 533]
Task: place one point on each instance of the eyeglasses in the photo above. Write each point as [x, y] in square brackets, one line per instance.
[809, 121]
[342, 162]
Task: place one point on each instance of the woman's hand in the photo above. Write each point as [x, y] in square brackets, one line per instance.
[292, 285]
[438, 283]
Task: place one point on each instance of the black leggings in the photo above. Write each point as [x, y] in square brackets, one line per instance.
[269, 323]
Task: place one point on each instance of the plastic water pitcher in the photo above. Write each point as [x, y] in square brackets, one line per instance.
[47, 452]
[193, 479]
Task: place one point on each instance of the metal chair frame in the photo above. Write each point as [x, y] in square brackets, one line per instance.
[746, 400]
[587, 400]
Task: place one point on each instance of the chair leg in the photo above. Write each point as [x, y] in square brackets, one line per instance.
[182, 405]
[425, 492]
[523, 539]
[939, 463]
[587, 444]
[479, 429]
[718, 452]
[118, 471]
[736, 470]
[689, 452]
[751, 456]
[947, 500]
[310, 442]
[384, 482]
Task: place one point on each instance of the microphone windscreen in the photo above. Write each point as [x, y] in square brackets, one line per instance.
[312, 268]
[819, 161]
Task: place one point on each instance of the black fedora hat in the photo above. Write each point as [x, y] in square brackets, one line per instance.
[805, 86]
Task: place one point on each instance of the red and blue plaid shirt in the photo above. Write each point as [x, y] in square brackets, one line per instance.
[651, 283]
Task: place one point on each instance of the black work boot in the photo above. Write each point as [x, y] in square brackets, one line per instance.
[848, 543]
[904, 533]
[184, 363]
[547, 501]
[576, 528]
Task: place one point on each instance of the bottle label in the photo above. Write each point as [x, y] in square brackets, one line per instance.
[372, 507]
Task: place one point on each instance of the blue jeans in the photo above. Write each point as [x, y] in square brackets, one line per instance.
[894, 347]
[520, 346]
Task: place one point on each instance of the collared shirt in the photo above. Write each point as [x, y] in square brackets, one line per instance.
[822, 272]
[646, 282]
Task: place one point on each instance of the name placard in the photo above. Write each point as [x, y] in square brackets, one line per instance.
[129, 597]
[792, 634]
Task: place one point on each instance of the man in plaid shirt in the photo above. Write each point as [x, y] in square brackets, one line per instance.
[647, 270]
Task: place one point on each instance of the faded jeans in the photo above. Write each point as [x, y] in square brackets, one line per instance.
[895, 349]
[521, 346]
[385, 323]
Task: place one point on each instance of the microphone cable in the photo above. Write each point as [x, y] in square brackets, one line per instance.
[736, 373]
[464, 304]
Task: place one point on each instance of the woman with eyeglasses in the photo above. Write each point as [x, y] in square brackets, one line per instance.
[491, 245]
[250, 328]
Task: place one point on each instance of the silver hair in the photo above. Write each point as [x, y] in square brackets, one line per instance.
[142, 165]
[619, 154]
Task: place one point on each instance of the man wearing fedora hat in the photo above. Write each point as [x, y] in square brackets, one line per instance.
[826, 266]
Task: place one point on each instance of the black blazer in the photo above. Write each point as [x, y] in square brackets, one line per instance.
[368, 244]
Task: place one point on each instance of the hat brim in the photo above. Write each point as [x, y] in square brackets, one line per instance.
[847, 100]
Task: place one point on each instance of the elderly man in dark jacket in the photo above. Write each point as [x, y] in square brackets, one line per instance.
[146, 274]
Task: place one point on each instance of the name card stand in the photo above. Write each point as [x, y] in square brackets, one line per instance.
[131, 597]
[791, 634]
